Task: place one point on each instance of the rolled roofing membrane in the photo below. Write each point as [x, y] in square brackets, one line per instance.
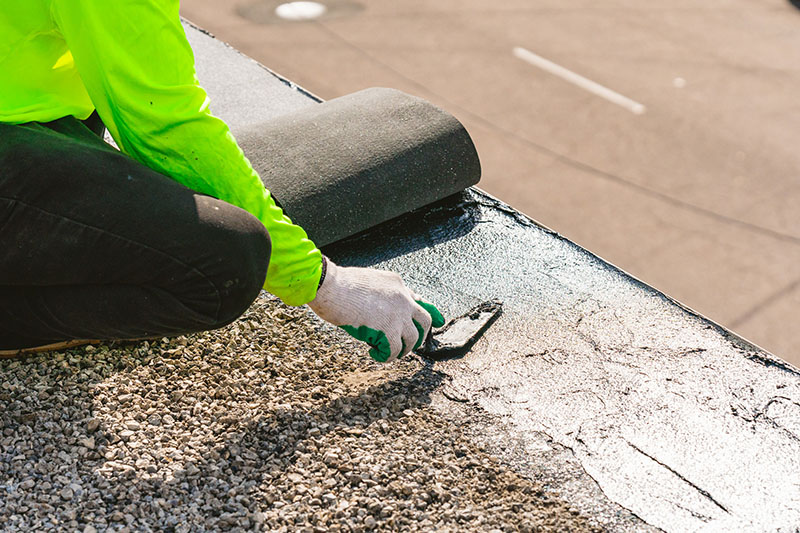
[640, 412]
[348, 164]
[341, 166]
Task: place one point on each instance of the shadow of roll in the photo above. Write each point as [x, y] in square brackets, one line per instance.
[348, 164]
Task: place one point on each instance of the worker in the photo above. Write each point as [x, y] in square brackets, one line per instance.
[172, 233]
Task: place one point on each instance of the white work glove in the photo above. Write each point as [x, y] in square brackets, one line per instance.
[375, 306]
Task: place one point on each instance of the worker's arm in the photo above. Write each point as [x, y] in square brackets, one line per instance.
[138, 68]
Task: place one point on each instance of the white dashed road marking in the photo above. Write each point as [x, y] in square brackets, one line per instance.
[580, 81]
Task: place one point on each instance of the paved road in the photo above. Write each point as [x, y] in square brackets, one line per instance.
[697, 195]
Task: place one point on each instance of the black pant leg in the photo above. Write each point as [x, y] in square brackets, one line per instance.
[95, 245]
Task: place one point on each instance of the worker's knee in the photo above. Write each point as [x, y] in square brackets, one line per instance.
[247, 256]
[238, 263]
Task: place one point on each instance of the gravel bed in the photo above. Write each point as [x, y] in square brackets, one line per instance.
[275, 423]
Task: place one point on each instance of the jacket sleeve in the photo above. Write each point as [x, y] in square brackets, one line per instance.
[138, 68]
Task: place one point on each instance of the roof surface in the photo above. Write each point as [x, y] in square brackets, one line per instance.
[636, 409]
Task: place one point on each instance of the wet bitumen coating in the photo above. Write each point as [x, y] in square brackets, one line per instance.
[638, 411]
[676, 420]
[348, 164]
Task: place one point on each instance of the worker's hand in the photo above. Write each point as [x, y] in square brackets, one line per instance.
[375, 306]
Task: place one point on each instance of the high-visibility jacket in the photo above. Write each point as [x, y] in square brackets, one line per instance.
[130, 60]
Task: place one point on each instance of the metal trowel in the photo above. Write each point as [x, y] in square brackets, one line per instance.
[455, 338]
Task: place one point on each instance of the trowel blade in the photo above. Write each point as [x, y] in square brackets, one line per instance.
[455, 338]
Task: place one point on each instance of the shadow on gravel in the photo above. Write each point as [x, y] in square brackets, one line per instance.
[281, 436]
[277, 422]
[278, 428]
[54, 449]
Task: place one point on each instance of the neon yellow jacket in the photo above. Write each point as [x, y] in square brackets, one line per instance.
[130, 60]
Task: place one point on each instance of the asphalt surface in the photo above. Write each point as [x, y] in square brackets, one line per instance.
[602, 381]
[696, 195]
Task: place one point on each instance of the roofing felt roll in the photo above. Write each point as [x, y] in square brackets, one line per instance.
[348, 164]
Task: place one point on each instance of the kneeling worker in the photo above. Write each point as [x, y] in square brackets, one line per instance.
[174, 234]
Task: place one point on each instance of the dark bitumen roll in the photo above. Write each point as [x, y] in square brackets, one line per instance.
[348, 164]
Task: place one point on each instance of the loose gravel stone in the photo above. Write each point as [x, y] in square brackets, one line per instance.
[275, 423]
[92, 425]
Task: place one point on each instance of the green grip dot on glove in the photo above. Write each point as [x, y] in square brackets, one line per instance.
[438, 319]
[380, 349]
